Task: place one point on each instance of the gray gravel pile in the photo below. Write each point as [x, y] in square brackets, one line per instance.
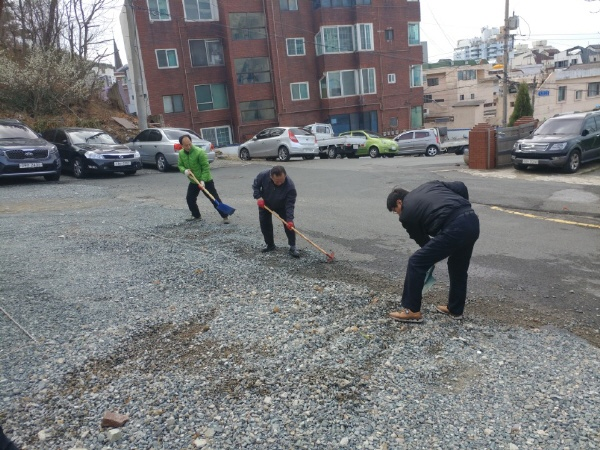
[204, 342]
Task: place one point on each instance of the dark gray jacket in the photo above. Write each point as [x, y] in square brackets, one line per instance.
[426, 209]
[278, 198]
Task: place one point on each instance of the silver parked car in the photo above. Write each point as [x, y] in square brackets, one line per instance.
[160, 146]
[280, 143]
[419, 142]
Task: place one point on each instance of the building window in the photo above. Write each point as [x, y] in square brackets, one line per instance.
[427, 98]
[200, 10]
[158, 10]
[345, 83]
[364, 36]
[295, 46]
[206, 52]
[593, 89]
[167, 59]
[338, 3]
[467, 75]
[219, 136]
[461, 97]
[433, 81]
[413, 34]
[299, 91]
[211, 96]
[393, 122]
[472, 96]
[389, 34]
[562, 93]
[416, 117]
[246, 26]
[367, 77]
[391, 78]
[252, 70]
[288, 5]
[578, 95]
[257, 110]
[416, 78]
[173, 103]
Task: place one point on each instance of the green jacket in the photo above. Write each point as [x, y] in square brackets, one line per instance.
[197, 162]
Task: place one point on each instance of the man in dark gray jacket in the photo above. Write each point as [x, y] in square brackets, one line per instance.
[273, 188]
[438, 216]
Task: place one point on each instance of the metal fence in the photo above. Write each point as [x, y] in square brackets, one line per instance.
[505, 139]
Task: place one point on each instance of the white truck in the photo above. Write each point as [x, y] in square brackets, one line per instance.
[454, 140]
[330, 145]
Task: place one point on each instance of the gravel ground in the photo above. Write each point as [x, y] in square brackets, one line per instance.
[204, 342]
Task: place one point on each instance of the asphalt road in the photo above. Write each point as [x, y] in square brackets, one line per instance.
[540, 236]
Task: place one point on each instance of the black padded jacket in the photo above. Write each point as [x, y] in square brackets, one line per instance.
[428, 208]
[279, 198]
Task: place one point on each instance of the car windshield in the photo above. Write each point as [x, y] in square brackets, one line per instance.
[16, 131]
[91, 137]
[371, 134]
[559, 126]
[173, 135]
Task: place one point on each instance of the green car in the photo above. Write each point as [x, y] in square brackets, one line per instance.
[374, 144]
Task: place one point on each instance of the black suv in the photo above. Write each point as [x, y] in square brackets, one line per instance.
[564, 141]
[24, 154]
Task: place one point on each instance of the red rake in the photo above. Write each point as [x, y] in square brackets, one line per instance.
[329, 255]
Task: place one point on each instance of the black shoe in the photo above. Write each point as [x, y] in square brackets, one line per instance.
[295, 253]
[268, 248]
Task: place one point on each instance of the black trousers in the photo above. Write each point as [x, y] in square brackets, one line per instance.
[455, 242]
[192, 197]
[5, 442]
[266, 226]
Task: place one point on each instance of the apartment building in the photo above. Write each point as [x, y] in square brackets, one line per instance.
[229, 68]
[460, 94]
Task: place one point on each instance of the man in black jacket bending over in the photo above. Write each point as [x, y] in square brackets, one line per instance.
[438, 216]
[273, 188]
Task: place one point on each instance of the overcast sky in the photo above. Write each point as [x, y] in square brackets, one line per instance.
[563, 23]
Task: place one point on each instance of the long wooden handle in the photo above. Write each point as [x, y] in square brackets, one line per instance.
[329, 256]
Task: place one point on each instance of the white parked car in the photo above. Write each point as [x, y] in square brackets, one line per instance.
[280, 143]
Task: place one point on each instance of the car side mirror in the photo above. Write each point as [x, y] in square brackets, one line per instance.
[254, 138]
[585, 132]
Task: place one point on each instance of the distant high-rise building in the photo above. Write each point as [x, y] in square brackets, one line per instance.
[489, 46]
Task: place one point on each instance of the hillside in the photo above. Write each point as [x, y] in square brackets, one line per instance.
[96, 114]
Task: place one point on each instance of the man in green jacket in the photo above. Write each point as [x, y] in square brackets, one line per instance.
[193, 160]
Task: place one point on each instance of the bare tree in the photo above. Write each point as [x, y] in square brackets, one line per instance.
[87, 28]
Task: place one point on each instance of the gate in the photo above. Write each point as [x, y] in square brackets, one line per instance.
[505, 139]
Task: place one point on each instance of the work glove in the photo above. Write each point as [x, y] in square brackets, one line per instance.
[187, 172]
[261, 203]
[201, 185]
[290, 225]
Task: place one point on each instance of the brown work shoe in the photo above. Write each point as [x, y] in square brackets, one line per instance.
[406, 315]
[444, 310]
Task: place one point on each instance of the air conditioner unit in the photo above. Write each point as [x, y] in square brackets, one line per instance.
[425, 112]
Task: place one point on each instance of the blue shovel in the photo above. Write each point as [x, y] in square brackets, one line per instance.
[221, 207]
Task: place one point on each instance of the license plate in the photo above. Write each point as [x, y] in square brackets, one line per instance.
[355, 146]
[531, 161]
[122, 163]
[30, 165]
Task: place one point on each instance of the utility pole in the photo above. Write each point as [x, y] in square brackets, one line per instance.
[533, 95]
[505, 77]
[140, 100]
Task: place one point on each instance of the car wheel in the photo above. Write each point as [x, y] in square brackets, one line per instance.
[54, 177]
[431, 151]
[130, 172]
[244, 154]
[283, 154]
[520, 166]
[461, 150]
[332, 152]
[161, 163]
[308, 157]
[78, 169]
[573, 162]
[374, 152]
